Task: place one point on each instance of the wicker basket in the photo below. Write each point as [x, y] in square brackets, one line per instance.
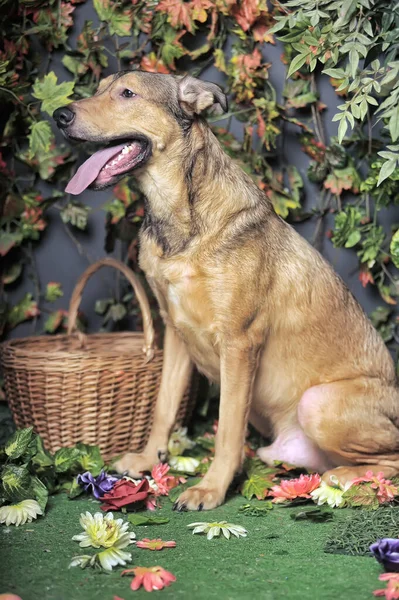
[99, 389]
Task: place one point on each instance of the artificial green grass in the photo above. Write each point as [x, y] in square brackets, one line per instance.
[280, 558]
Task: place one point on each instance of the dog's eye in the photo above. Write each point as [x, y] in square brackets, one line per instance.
[128, 93]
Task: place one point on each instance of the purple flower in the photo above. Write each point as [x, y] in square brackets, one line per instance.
[386, 551]
[99, 485]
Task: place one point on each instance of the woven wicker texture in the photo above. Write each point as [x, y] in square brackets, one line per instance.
[99, 389]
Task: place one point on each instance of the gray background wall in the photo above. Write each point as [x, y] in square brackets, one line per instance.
[58, 259]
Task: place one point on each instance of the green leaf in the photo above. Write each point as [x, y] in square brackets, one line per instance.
[138, 520]
[353, 239]
[76, 214]
[16, 482]
[54, 321]
[256, 510]
[19, 442]
[65, 459]
[51, 94]
[343, 126]
[12, 273]
[53, 291]
[120, 24]
[40, 138]
[316, 515]
[297, 63]
[42, 458]
[256, 485]
[394, 124]
[39, 492]
[386, 170]
[361, 495]
[394, 248]
[8, 241]
[353, 61]
[90, 458]
[102, 9]
[24, 310]
[75, 490]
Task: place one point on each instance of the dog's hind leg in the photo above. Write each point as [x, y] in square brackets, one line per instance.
[176, 372]
[355, 422]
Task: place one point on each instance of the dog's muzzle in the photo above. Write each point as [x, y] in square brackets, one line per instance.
[63, 116]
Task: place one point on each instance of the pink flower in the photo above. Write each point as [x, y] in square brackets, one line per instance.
[152, 578]
[164, 482]
[157, 544]
[289, 489]
[391, 592]
[386, 491]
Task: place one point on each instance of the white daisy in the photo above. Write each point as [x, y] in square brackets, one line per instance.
[185, 464]
[330, 494]
[214, 529]
[105, 531]
[107, 559]
[18, 514]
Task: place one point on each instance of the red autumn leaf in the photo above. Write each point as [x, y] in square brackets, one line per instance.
[260, 29]
[365, 277]
[152, 64]
[179, 13]
[199, 8]
[246, 13]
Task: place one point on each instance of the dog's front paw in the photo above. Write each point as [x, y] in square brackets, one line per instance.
[199, 498]
[135, 464]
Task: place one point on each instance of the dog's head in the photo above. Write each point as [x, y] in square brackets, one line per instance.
[134, 116]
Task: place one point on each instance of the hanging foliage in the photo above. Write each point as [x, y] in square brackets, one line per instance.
[354, 43]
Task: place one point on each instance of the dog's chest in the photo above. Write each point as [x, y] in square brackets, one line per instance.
[182, 295]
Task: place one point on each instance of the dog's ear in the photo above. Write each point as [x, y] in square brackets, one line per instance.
[196, 96]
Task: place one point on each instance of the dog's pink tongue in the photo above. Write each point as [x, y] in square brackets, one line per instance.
[90, 169]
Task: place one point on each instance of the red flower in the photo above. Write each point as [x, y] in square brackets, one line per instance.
[157, 544]
[153, 578]
[391, 592]
[289, 489]
[125, 493]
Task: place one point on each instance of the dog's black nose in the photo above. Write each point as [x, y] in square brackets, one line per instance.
[63, 116]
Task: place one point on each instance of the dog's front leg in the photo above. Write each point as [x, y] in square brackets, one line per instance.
[176, 371]
[238, 365]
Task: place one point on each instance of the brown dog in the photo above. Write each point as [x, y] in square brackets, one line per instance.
[243, 296]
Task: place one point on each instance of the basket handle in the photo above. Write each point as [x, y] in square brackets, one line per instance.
[138, 290]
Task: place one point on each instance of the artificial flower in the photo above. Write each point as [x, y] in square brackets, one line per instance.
[124, 493]
[186, 464]
[391, 592]
[157, 544]
[152, 578]
[162, 482]
[386, 551]
[99, 485]
[18, 514]
[330, 494]
[386, 491]
[289, 489]
[214, 529]
[179, 442]
[105, 531]
[111, 557]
